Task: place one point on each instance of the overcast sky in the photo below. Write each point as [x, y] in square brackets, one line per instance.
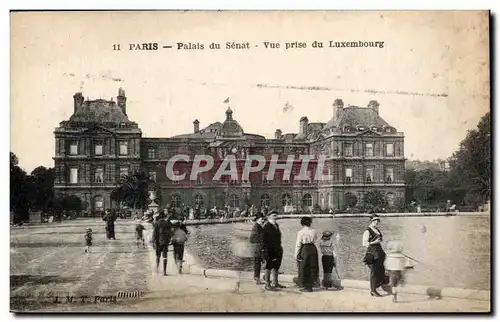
[437, 61]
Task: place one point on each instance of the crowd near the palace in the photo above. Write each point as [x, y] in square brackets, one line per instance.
[313, 250]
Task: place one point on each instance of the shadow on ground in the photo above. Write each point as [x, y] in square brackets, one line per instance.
[20, 280]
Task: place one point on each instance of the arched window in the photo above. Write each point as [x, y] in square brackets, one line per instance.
[307, 200]
[264, 200]
[176, 201]
[98, 203]
[234, 201]
[322, 201]
[390, 199]
[198, 200]
[286, 200]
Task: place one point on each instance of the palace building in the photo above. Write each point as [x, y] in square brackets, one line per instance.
[99, 144]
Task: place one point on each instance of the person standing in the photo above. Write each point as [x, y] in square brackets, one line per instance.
[179, 238]
[307, 254]
[272, 252]
[162, 235]
[110, 219]
[256, 240]
[375, 255]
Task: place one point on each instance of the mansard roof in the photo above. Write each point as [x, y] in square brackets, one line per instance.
[99, 111]
[357, 116]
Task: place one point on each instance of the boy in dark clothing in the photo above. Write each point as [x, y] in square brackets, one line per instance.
[88, 240]
[272, 251]
[139, 228]
[256, 241]
[162, 234]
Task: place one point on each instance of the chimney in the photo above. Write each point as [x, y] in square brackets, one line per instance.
[78, 101]
[303, 126]
[122, 100]
[338, 106]
[374, 106]
[196, 124]
[277, 134]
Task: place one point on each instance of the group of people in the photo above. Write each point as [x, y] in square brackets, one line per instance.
[387, 271]
[168, 231]
[266, 238]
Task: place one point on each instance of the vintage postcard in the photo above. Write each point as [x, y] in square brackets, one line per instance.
[250, 161]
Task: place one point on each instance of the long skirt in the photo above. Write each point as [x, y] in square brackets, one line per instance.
[377, 274]
[309, 268]
[110, 231]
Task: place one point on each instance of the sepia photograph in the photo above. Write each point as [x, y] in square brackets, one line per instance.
[250, 161]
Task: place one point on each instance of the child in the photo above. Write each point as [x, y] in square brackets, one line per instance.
[139, 228]
[396, 264]
[328, 261]
[179, 238]
[88, 240]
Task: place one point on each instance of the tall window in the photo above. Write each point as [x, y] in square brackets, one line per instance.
[198, 200]
[123, 147]
[73, 175]
[176, 173]
[199, 179]
[99, 175]
[348, 175]
[151, 153]
[389, 149]
[286, 200]
[307, 200]
[369, 175]
[348, 149]
[73, 148]
[264, 200]
[390, 199]
[322, 200]
[389, 175]
[176, 201]
[152, 176]
[123, 172]
[98, 203]
[264, 178]
[98, 149]
[328, 200]
[369, 149]
[234, 202]
[309, 176]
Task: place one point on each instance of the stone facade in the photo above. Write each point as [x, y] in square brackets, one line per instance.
[99, 143]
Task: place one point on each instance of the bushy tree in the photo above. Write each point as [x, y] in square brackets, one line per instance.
[471, 164]
[350, 200]
[374, 199]
[133, 190]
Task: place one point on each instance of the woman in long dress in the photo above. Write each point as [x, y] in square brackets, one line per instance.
[375, 255]
[306, 254]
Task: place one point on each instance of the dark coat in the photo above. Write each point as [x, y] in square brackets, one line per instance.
[271, 240]
[256, 239]
[162, 232]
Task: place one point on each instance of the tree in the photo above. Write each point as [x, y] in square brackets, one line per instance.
[20, 187]
[43, 192]
[471, 164]
[350, 200]
[133, 190]
[374, 199]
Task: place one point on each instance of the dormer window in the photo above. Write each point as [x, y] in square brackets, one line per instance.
[374, 129]
[361, 128]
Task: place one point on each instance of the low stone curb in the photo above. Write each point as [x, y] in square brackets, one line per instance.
[469, 294]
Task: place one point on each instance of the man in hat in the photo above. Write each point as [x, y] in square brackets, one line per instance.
[256, 240]
[162, 235]
[272, 251]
